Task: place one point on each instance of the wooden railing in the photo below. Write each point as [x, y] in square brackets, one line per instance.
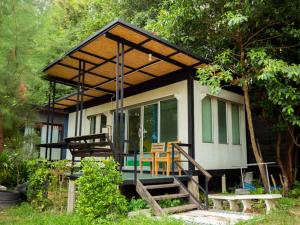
[194, 164]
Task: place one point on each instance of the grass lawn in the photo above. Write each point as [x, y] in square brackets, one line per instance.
[26, 215]
[287, 213]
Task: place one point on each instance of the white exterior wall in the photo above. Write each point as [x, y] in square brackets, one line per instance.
[209, 155]
[214, 155]
[177, 90]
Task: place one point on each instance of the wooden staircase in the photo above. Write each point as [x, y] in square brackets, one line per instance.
[152, 194]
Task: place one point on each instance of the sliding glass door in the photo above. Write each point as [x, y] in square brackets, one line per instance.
[150, 124]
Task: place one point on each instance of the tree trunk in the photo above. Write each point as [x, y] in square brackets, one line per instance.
[292, 162]
[255, 149]
[286, 183]
[1, 136]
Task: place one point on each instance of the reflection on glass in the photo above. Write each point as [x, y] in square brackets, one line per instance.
[206, 120]
[168, 120]
[235, 124]
[222, 122]
[150, 127]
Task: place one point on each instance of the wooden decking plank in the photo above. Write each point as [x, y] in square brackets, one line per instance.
[171, 196]
[181, 208]
[160, 186]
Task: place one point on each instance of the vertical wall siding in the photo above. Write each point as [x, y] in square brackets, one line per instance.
[215, 155]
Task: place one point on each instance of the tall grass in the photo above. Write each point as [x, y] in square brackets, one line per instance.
[26, 215]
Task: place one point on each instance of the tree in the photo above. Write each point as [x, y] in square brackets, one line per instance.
[29, 41]
[251, 44]
[16, 41]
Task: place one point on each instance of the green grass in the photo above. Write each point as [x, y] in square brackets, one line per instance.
[26, 215]
[287, 213]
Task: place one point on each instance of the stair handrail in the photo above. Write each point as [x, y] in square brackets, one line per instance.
[191, 160]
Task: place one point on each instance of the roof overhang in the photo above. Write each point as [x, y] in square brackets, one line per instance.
[146, 57]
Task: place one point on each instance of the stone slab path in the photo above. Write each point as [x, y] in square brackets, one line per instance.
[212, 217]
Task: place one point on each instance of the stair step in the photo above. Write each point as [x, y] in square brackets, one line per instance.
[181, 208]
[170, 196]
[159, 186]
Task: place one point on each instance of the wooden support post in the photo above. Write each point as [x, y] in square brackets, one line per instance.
[71, 196]
[193, 187]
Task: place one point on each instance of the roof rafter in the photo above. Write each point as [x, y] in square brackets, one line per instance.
[146, 50]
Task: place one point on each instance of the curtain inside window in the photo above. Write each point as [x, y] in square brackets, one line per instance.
[235, 124]
[222, 122]
[92, 124]
[168, 120]
[103, 122]
[150, 127]
[206, 120]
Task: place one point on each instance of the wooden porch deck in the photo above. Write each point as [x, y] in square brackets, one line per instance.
[146, 178]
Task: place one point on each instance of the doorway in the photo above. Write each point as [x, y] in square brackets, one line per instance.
[149, 124]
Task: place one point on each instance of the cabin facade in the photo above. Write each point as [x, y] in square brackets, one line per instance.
[161, 115]
[134, 90]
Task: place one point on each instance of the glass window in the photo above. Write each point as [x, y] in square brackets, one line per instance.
[235, 114]
[222, 122]
[150, 127]
[92, 124]
[206, 120]
[133, 129]
[103, 122]
[168, 120]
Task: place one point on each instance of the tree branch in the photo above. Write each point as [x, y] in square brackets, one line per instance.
[290, 46]
[295, 139]
[258, 32]
[263, 39]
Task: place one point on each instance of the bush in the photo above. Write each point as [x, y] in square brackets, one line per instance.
[137, 204]
[171, 203]
[38, 183]
[58, 186]
[295, 191]
[98, 194]
[13, 169]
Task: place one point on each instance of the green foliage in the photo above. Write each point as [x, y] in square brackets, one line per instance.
[295, 191]
[58, 186]
[13, 170]
[283, 215]
[258, 190]
[171, 203]
[27, 215]
[98, 193]
[137, 204]
[38, 183]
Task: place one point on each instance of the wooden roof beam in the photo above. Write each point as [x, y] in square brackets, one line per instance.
[95, 74]
[147, 51]
[74, 84]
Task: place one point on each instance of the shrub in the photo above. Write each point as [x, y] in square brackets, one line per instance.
[171, 203]
[137, 204]
[13, 169]
[295, 191]
[58, 188]
[98, 194]
[39, 180]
